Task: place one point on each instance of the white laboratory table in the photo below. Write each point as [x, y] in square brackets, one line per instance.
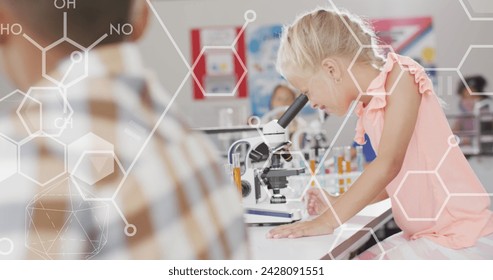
[338, 245]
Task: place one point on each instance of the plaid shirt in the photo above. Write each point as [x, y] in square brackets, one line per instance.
[78, 179]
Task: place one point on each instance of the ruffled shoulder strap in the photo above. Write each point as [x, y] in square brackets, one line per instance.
[425, 86]
[377, 86]
[377, 89]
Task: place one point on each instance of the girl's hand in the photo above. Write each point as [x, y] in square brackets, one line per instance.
[314, 227]
[317, 201]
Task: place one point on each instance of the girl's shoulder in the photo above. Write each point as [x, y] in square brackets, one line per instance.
[403, 69]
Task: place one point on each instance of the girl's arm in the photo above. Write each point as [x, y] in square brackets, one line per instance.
[381, 196]
[319, 200]
[400, 119]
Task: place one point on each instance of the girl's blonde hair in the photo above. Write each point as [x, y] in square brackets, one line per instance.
[324, 33]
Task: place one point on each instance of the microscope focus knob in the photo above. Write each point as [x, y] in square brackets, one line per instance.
[246, 189]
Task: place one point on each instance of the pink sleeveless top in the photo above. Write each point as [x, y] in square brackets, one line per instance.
[436, 195]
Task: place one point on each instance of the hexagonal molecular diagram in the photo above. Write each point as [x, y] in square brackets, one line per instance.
[98, 172]
[8, 159]
[29, 113]
[73, 70]
[88, 143]
[467, 66]
[221, 79]
[94, 166]
[383, 49]
[14, 128]
[55, 111]
[428, 188]
[478, 9]
[61, 224]
[50, 151]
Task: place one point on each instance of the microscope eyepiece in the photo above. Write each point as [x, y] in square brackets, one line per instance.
[292, 111]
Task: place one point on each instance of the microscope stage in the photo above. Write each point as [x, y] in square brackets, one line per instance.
[271, 215]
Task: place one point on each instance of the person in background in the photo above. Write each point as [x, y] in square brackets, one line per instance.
[282, 96]
[163, 194]
[476, 84]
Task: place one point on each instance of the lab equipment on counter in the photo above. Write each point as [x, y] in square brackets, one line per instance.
[328, 182]
[313, 163]
[347, 161]
[237, 171]
[339, 162]
[312, 136]
[264, 177]
[334, 178]
[359, 158]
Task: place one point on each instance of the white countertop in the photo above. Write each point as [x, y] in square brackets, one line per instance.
[345, 239]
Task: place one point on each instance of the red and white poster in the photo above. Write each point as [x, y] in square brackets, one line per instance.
[413, 37]
[218, 70]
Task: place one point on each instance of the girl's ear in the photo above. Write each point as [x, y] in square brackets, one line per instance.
[331, 68]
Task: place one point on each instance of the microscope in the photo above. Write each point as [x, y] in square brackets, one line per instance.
[264, 177]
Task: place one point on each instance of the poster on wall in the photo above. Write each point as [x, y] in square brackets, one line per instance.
[413, 37]
[262, 46]
[218, 71]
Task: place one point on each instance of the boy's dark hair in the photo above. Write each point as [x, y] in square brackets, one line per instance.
[475, 83]
[89, 21]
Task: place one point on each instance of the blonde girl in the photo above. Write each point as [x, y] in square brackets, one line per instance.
[437, 200]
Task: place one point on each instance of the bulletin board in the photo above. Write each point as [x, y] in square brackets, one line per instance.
[262, 46]
[218, 70]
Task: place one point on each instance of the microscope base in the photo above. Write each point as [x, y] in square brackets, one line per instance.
[270, 216]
